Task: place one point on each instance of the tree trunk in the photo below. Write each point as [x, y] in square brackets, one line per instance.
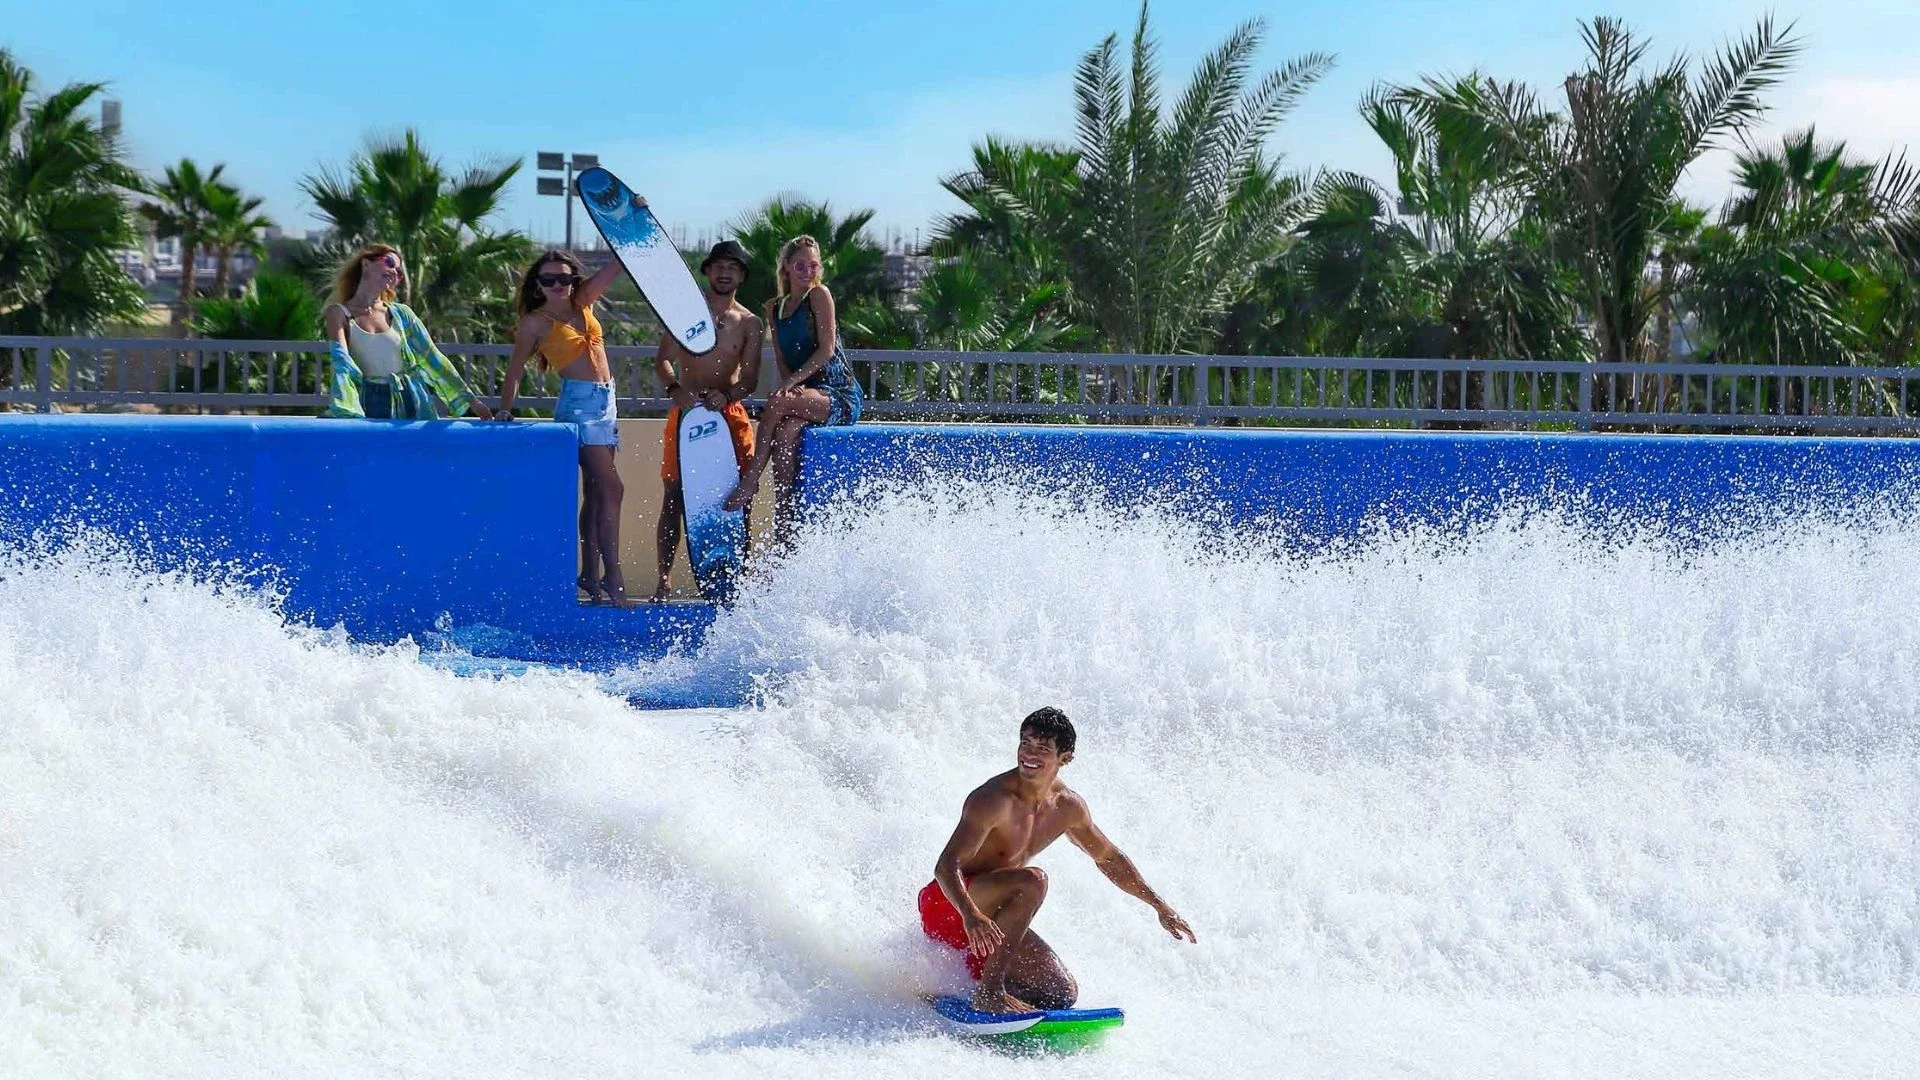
[187, 257]
[1663, 341]
[224, 259]
[184, 309]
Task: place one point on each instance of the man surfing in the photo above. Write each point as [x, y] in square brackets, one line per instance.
[983, 895]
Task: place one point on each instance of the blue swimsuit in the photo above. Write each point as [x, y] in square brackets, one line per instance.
[798, 339]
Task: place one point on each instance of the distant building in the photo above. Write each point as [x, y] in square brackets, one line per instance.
[904, 272]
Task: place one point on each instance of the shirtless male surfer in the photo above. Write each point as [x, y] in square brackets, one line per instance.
[720, 378]
[983, 895]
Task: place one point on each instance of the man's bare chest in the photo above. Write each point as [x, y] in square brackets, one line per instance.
[1018, 837]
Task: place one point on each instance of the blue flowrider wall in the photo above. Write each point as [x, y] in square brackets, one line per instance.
[1316, 486]
[395, 529]
[387, 529]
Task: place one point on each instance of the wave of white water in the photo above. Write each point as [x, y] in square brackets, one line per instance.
[1543, 799]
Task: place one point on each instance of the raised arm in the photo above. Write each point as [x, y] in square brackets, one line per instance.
[1120, 870]
[983, 936]
[595, 287]
[526, 338]
[747, 378]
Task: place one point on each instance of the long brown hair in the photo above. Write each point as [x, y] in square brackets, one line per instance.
[531, 299]
[347, 282]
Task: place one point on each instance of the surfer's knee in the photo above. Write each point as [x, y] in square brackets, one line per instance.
[1032, 883]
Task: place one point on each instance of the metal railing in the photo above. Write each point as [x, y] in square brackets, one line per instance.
[44, 374]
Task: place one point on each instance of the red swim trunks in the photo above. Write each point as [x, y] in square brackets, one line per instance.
[942, 922]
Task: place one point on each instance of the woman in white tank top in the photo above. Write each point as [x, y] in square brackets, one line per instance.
[385, 365]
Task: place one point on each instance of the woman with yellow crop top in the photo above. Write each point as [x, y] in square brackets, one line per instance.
[557, 328]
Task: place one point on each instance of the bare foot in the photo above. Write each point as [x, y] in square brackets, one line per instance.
[613, 590]
[1001, 1002]
[743, 494]
[662, 591]
[589, 586]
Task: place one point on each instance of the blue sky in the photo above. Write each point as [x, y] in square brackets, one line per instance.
[709, 108]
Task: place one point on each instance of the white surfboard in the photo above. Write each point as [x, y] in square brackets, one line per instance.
[649, 256]
[716, 538]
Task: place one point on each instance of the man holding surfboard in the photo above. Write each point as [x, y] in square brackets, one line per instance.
[984, 896]
[720, 378]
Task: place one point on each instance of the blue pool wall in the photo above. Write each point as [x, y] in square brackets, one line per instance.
[1308, 488]
[392, 529]
[387, 529]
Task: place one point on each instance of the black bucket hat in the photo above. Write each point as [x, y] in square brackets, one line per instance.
[729, 249]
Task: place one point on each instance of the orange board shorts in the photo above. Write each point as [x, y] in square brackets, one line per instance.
[941, 921]
[739, 426]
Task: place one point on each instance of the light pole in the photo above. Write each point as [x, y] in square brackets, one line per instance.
[554, 185]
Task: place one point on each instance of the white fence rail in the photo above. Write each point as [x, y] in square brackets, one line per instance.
[44, 374]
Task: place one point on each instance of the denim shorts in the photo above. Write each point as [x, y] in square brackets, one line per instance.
[589, 407]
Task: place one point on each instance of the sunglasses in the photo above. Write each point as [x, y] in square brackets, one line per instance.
[554, 281]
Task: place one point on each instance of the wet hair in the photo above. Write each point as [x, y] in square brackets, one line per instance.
[1051, 724]
[347, 282]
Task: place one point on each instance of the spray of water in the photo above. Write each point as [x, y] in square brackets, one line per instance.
[1540, 796]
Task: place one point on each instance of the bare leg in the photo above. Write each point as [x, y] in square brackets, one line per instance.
[589, 579]
[1039, 978]
[786, 468]
[770, 417]
[667, 538]
[1011, 898]
[606, 523]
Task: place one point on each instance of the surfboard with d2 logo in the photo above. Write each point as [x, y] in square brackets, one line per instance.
[716, 537]
[649, 256]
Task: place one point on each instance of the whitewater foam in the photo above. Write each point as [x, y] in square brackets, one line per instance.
[1537, 797]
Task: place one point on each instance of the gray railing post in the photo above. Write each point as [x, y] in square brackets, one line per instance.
[43, 378]
[1585, 423]
[1202, 392]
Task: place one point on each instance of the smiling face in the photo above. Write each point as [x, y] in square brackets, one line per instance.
[1038, 757]
[383, 270]
[803, 268]
[725, 275]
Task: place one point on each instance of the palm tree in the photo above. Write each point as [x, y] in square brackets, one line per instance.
[1494, 288]
[1677, 238]
[855, 266]
[278, 306]
[967, 305]
[460, 273]
[1019, 197]
[1175, 209]
[1805, 257]
[1003, 281]
[233, 224]
[63, 212]
[183, 212]
[1602, 176]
